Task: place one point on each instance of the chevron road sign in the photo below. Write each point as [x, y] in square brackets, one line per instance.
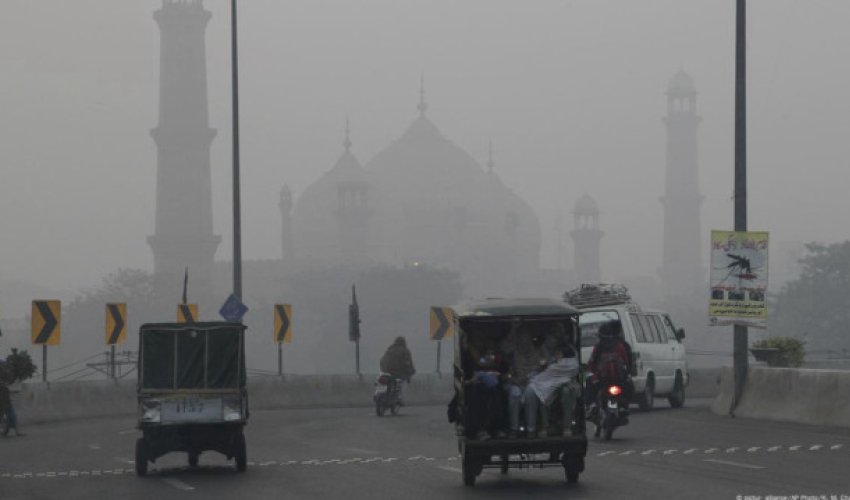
[187, 313]
[46, 322]
[441, 323]
[282, 323]
[116, 323]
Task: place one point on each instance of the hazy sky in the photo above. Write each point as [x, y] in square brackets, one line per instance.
[570, 92]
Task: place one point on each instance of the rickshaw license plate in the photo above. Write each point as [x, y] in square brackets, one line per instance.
[191, 408]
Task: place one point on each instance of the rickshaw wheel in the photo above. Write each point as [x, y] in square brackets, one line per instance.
[470, 470]
[193, 458]
[141, 458]
[571, 475]
[241, 454]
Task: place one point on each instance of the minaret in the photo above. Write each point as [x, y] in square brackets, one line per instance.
[353, 211]
[285, 206]
[682, 274]
[183, 235]
[586, 238]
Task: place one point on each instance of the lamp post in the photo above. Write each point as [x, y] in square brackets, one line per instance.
[740, 331]
[237, 224]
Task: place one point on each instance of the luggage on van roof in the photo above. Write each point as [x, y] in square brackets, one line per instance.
[598, 294]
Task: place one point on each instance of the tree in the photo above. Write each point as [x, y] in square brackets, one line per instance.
[816, 307]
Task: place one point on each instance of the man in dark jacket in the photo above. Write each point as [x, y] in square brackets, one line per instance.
[397, 360]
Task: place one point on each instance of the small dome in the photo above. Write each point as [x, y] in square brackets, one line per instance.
[586, 205]
[681, 84]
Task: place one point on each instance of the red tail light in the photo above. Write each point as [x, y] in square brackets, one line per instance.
[384, 379]
[615, 390]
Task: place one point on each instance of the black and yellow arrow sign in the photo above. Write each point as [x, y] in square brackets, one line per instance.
[187, 313]
[116, 323]
[441, 323]
[46, 322]
[283, 323]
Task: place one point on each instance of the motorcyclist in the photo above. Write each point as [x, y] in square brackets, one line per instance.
[611, 349]
[398, 362]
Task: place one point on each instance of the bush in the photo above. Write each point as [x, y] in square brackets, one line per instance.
[18, 366]
[791, 350]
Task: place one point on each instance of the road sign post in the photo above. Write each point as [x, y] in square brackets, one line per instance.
[282, 331]
[116, 331]
[740, 332]
[441, 325]
[187, 313]
[354, 329]
[46, 328]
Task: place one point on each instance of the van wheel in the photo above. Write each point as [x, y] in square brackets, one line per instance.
[141, 457]
[677, 397]
[647, 399]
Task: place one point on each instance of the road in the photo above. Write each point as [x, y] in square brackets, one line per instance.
[351, 454]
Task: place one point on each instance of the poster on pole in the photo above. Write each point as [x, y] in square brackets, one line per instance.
[738, 278]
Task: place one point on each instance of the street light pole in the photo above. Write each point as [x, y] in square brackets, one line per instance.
[237, 216]
[740, 331]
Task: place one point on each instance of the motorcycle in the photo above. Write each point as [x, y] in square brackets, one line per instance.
[387, 394]
[611, 410]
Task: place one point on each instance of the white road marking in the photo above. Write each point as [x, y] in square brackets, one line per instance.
[734, 464]
[753, 449]
[816, 447]
[732, 449]
[450, 469]
[180, 485]
[711, 450]
[774, 448]
[605, 453]
[689, 451]
[648, 452]
[627, 452]
[670, 452]
[836, 446]
[795, 447]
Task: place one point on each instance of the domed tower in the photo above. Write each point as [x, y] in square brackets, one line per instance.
[681, 272]
[586, 237]
[353, 209]
[183, 235]
[285, 205]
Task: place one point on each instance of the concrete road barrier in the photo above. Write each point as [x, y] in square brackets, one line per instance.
[105, 398]
[815, 397]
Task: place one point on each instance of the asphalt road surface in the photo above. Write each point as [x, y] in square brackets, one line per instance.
[351, 454]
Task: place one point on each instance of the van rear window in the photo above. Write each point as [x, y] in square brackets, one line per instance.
[590, 323]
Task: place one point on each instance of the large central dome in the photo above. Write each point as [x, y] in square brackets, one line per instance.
[421, 200]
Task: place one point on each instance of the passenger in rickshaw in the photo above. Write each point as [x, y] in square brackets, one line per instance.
[557, 382]
[483, 393]
[522, 349]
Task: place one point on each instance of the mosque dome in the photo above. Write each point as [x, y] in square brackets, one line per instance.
[586, 205]
[681, 84]
[429, 202]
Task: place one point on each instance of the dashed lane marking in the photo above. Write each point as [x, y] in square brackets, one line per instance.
[374, 460]
[180, 485]
[734, 464]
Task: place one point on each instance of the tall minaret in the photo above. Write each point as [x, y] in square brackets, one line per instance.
[586, 238]
[682, 274]
[183, 236]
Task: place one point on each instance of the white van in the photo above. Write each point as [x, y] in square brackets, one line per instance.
[660, 365]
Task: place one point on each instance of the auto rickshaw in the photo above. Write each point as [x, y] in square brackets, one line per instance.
[191, 391]
[493, 322]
